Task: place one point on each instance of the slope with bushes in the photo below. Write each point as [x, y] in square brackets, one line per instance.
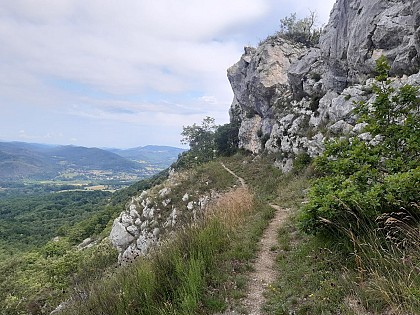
[363, 213]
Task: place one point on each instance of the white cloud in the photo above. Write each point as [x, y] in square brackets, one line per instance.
[29, 137]
[122, 46]
[91, 58]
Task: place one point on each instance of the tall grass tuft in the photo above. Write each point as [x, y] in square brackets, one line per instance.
[387, 259]
[390, 267]
[232, 207]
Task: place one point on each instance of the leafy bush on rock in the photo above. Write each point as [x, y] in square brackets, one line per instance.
[360, 180]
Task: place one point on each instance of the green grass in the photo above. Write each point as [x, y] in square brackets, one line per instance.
[317, 276]
[195, 273]
[258, 172]
[171, 281]
[388, 272]
[201, 180]
[309, 281]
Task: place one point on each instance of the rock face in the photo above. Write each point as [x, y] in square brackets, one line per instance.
[260, 82]
[361, 30]
[153, 215]
[289, 98]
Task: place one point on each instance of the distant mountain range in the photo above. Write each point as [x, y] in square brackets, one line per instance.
[151, 154]
[20, 160]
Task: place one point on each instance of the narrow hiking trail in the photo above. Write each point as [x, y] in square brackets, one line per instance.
[241, 180]
[264, 271]
[264, 266]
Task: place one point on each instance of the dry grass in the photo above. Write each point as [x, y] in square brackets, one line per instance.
[232, 207]
[390, 273]
[387, 260]
[186, 275]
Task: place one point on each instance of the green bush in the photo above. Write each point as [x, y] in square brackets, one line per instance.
[300, 30]
[226, 139]
[200, 138]
[301, 162]
[360, 180]
[207, 141]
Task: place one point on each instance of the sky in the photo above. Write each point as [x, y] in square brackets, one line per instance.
[125, 73]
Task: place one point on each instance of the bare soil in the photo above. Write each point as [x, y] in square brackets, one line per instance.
[264, 266]
[264, 271]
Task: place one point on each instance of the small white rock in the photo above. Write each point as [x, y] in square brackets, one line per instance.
[190, 205]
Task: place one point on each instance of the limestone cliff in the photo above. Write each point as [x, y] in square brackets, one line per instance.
[289, 98]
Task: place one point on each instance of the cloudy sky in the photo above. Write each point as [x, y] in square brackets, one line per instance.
[125, 73]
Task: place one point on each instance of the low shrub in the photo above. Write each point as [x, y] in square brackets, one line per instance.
[359, 180]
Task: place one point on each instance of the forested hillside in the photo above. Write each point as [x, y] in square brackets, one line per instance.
[154, 155]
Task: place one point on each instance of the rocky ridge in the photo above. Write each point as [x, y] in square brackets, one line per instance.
[289, 99]
[151, 217]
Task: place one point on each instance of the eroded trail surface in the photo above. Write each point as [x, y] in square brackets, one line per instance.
[264, 266]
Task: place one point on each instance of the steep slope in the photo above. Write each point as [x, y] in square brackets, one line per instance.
[154, 214]
[18, 159]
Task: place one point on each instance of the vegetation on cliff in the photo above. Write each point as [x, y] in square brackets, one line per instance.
[365, 200]
[302, 31]
[376, 173]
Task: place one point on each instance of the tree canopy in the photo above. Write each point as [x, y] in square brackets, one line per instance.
[208, 140]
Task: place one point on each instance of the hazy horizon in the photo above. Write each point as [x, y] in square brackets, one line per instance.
[183, 147]
[96, 74]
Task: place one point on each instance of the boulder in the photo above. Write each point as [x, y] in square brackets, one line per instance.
[249, 134]
[261, 75]
[119, 236]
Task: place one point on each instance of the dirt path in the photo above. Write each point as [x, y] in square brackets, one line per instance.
[264, 266]
[241, 180]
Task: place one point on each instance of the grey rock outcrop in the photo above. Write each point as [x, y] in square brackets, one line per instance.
[289, 98]
[359, 31]
[259, 82]
[152, 216]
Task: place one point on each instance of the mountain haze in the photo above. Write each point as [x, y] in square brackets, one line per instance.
[153, 154]
[19, 160]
